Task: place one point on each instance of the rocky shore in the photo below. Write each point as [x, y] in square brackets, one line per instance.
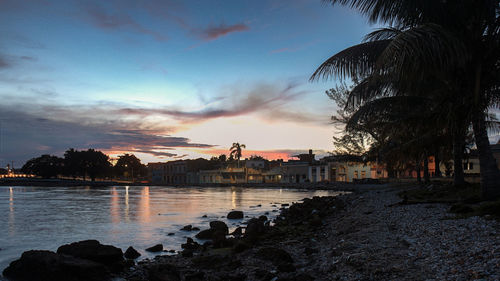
[367, 235]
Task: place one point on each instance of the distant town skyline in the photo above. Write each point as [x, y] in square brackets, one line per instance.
[169, 79]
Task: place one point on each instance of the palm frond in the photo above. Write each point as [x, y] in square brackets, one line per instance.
[386, 33]
[356, 61]
[421, 49]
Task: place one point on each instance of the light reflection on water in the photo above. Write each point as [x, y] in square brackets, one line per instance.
[47, 217]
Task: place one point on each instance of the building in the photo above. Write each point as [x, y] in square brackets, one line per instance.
[210, 176]
[273, 175]
[295, 172]
[171, 172]
[255, 164]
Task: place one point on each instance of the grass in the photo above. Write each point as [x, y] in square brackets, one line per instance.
[466, 200]
[470, 193]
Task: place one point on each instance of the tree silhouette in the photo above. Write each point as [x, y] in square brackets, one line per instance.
[446, 51]
[92, 163]
[45, 166]
[130, 164]
[235, 151]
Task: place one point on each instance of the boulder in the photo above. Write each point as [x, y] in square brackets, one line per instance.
[255, 227]
[187, 228]
[237, 232]
[50, 266]
[155, 248]
[219, 226]
[205, 234]
[131, 253]
[94, 251]
[235, 215]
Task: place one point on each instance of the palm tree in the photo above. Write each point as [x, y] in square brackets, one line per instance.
[236, 151]
[454, 43]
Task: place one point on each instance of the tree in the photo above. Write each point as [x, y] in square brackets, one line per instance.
[453, 43]
[92, 163]
[45, 166]
[131, 165]
[236, 151]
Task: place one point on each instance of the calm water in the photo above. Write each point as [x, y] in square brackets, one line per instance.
[47, 217]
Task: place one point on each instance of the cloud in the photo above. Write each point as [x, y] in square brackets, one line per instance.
[3, 62]
[262, 98]
[25, 135]
[7, 61]
[100, 18]
[214, 32]
[285, 154]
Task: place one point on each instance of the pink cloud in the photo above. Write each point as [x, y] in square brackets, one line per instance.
[214, 32]
[101, 19]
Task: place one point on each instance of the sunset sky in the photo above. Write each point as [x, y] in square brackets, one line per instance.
[168, 79]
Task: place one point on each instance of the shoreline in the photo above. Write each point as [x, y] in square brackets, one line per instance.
[369, 234]
[373, 237]
[334, 186]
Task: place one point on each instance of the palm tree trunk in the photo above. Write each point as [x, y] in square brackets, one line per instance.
[419, 178]
[458, 156]
[437, 163]
[426, 169]
[490, 176]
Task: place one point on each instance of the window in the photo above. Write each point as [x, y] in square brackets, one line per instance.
[363, 174]
[355, 174]
[465, 166]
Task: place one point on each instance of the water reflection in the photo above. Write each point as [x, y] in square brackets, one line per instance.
[144, 207]
[115, 206]
[11, 211]
[127, 207]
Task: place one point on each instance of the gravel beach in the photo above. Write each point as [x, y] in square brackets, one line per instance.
[371, 237]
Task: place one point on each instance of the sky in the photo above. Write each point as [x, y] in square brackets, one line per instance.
[166, 79]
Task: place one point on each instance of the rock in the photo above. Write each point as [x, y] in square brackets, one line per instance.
[163, 272]
[285, 205]
[219, 226]
[205, 234]
[50, 266]
[195, 229]
[190, 244]
[237, 232]
[235, 215]
[240, 246]
[131, 253]
[286, 267]
[155, 248]
[309, 251]
[275, 255]
[94, 251]
[194, 276]
[187, 253]
[187, 227]
[254, 229]
[204, 216]
[263, 218]
[171, 234]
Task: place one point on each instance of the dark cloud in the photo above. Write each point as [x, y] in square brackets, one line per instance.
[28, 58]
[26, 135]
[214, 32]
[100, 18]
[158, 154]
[7, 61]
[3, 62]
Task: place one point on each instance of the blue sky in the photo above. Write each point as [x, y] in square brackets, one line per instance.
[167, 79]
